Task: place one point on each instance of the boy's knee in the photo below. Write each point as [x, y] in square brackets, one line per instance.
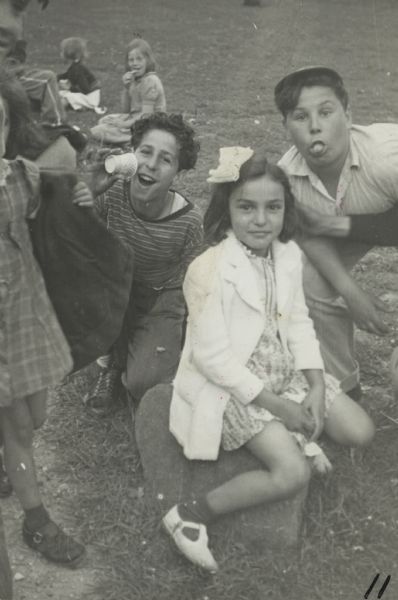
[140, 377]
[137, 384]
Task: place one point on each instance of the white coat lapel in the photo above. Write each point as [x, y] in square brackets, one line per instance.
[237, 270]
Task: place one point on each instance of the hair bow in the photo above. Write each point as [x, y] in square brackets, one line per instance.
[229, 164]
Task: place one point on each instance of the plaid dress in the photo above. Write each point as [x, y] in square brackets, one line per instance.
[272, 364]
[33, 351]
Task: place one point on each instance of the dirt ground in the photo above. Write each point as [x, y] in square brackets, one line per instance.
[219, 62]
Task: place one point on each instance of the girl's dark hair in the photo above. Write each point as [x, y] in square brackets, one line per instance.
[174, 124]
[74, 48]
[140, 44]
[217, 220]
[24, 136]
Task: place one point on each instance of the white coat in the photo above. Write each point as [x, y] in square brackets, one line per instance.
[225, 322]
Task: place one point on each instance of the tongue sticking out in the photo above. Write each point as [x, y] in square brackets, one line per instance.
[317, 148]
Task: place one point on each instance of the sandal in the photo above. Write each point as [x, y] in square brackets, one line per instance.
[197, 551]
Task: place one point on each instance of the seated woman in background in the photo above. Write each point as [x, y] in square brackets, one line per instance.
[142, 94]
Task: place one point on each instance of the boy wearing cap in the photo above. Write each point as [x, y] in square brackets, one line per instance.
[335, 168]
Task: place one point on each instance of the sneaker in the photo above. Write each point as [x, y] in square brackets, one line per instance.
[102, 398]
[197, 551]
[53, 543]
[5, 483]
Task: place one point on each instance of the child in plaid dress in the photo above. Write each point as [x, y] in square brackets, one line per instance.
[33, 351]
[251, 372]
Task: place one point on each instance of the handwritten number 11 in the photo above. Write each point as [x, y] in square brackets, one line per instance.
[382, 589]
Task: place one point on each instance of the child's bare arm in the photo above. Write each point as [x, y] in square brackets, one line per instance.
[314, 402]
[363, 307]
[125, 102]
[82, 196]
[292, 414]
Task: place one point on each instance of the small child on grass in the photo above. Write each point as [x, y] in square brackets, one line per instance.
[142, 94]
[79, 88]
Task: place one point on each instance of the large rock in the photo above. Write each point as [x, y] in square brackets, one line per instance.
[170, 478]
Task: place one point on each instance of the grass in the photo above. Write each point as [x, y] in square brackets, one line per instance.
[219, 62]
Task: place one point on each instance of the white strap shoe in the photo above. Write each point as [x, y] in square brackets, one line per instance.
[197, 551]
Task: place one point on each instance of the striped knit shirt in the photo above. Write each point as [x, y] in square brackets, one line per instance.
[164, 247]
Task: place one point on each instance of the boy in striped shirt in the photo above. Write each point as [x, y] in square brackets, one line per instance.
[165, 232]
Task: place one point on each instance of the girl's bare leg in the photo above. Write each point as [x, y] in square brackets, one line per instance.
[18, 424]
[286, 472]
[39, 531]
[348, 424]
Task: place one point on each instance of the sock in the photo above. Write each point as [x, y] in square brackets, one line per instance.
[36, 517]
[197, 511]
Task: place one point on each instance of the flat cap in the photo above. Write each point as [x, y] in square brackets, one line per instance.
[287, 90]
[301, 74]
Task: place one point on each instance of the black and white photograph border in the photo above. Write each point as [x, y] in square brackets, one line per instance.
[108, 477]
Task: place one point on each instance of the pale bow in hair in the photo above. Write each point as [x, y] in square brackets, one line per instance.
[229, 164]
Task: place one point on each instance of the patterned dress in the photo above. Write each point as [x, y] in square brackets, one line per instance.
[145, 92]
[272, 364]
[33, 351]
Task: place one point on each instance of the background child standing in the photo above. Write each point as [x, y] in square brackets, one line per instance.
[251, 372]
[142, 94]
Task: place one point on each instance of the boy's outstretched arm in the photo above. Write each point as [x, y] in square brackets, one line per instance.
[379, 229]
[364, 308]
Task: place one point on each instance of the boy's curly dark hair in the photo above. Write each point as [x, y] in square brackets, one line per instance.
[24, 135]
[217, 220]
[174, 124]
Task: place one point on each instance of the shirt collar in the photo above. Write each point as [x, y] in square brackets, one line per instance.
[299, 168]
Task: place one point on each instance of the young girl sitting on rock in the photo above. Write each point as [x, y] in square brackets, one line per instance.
[251, 372]
[142, 94]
